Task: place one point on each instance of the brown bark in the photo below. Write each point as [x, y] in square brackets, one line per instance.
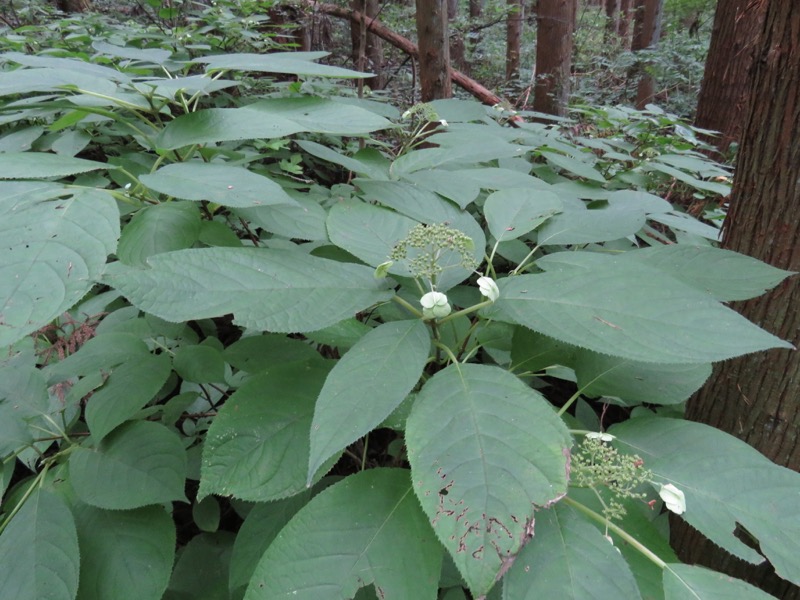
[398, 41]
[452, 9]
[73, 6]
[757, 397]
[475, 8]
[434, 50]
[722, 104]
[555, 21]
[624, 26]
[371, 46]
[612, 19]
[646, 33]
[513, 35]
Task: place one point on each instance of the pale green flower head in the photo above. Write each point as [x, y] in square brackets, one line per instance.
[435, 305]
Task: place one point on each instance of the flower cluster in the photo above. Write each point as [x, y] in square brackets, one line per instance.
[428, 243]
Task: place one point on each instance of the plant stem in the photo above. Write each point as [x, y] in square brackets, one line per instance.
[407, 306]
[466, 311]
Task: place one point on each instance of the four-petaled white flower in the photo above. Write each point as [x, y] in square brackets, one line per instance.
[603, 437]
[673, 498]
[443, 122]
[434, 305]
[488, 288]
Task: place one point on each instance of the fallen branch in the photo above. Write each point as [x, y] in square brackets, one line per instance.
[407, 46]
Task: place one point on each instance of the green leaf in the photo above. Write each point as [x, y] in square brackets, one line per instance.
[683, 222]
[350, 163]
[579, 226]
[366, 385]
[39, 551]
[304, 219]
[161, 228]
[366, 529]
[125, 555]
[51, 255]
[707, 186]
[199, 363]
[568, 559]
[291, 63]
[130, 385]
[581, 168]
[257, 447]
[342, 335]
[637, 382]
[485, 451]
[726, 483]
[42, 165]
[101, 353]
[155, 56]
[613, 306]
[531, 351]
[266, 289]
[263, 352]
[723, 274]
[219, 183]
[687, 582]
[515, 212]
[258, 531]
[138, 464]
[206, 514]
[203, 567]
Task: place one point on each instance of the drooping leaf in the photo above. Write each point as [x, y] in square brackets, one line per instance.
[291, 63]
[43, 165]
[257, 447]
[348, 162]
[485, 451]
[726, 482]
[571, 560]
[160, 228]
[223, 184]
[304, 219]
[126, 555]
[101, 353]
[199, 363]
[366, 385]
[689, 582]
[515, 212]
[683, 222]
[263, 352]
[138, 464]
[624, 309]
[129, 386]
[51, 255]
[39, 551]
[581, 168]
[365, 529]
[588, 226]
[707, 186]
[202, 570]
[276, 290]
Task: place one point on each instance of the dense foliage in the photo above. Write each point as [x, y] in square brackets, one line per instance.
[324, 348]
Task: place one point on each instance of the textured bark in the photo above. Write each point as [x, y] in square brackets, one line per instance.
[646, 33]
[434, 50]
[555, 22]
[612, 19]
[513, 34]
[452, 9]
[73, 6]
[398, 41]
[475, 8]
[757, 397]
[722, 104]
[624, 26]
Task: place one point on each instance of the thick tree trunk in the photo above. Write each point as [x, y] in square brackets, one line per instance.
[612, 20]
[475, 8]
[624, 25]
[513, 35]
[757, 397]
[434, 50]
[646, 33]
[73, 6]
[722, 104]
[555, 22]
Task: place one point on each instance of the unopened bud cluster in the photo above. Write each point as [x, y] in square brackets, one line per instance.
[613, 476]
[430, 241]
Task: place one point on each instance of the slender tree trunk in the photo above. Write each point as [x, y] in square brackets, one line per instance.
[452, 9]
[612, 20]
[513, 35]
[475, 8]
[624, 25]
[434, 50]
[646, 33]
[722, 104]
[372, 45]
[73, 6]
[555, 21]
[757, 397]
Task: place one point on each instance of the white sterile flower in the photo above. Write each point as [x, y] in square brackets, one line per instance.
[434, 305]
[443, 122]
[406, 114]
[488, 288]
[603, 437]
[673, 498]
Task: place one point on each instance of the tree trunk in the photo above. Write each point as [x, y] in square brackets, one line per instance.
[612, 20]
[555, 21]
[513, 34]
[624, 25]
[757, 397]
[372, 44]
[434, 50]
[722, 104]
[452, 10]
[73, 6]
[646, 33]
[475, 8]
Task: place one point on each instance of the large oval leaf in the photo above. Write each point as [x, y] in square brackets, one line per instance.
[43, 165]
[276, 290]
[125, 555]
[485, 451]
[515, 212]
[615, 306]
[366, 385]
[39, 551]
[52, 252]
[257, 448]
[139, 463]
[688, 582]
[365, 529]
[159, 228]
